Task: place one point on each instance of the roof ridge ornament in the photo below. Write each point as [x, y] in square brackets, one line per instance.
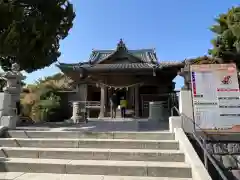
[121, 45]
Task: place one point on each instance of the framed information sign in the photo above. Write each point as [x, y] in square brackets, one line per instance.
[215, 91]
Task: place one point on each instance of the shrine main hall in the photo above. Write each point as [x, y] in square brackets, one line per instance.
[137, 75]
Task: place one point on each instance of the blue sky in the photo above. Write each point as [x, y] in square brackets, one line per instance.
[178, 29]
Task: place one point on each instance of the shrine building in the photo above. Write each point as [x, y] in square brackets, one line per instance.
[137, 75]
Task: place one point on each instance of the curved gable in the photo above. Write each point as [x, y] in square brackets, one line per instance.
[133, 56]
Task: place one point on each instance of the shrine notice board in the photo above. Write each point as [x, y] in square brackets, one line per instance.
[215, 92]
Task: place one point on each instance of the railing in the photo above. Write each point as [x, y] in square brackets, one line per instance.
[93, 103]
[201, 142]
[89, 104]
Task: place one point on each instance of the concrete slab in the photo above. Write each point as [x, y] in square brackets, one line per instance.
[41, 176]
[142, 178]
[10, 175]
[76, 134]
[97, 167]
[35, 176]
[96, 125]
[90, 143]
[94, 154]
[103, 125]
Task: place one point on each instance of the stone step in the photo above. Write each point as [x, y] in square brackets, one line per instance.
[41, 176]
[90, 143]
[80, 134]
[94, 154]
[97, 167]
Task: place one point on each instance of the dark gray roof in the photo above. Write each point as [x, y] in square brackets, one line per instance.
[135, 66]
[146, 59]
[146, 55]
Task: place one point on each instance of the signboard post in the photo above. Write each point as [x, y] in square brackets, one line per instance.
[215, 92]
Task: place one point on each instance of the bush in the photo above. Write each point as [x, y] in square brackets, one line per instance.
[41, 101]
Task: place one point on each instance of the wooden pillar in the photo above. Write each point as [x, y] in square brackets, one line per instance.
[103, 101]
[83, 92]
[136, 103]
[131, 97]
[128, 97]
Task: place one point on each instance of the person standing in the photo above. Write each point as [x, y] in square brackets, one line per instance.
[113, 104]
[123, 105]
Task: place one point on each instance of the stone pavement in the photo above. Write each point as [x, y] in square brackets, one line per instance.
[49, 176]
[102, 125]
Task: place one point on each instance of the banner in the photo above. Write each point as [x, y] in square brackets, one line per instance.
[215, 92]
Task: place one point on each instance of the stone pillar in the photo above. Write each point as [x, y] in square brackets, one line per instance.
[136, 103]
[103, 101]
[13, 88]
[79, 107]
[186, 107]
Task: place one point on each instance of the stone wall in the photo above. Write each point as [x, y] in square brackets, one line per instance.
[225, 148]
[227, 155]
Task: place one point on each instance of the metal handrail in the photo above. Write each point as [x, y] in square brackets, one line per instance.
[207, 155]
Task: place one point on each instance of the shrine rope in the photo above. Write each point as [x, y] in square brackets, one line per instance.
[119, 87]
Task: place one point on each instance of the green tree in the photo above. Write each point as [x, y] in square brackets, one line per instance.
[31, 30]
[42, 99]
[226, 43]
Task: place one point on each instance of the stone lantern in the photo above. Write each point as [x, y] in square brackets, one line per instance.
[185, 73]
[11, 96]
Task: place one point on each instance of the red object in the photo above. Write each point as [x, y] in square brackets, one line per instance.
[226, 79]
[236, 128]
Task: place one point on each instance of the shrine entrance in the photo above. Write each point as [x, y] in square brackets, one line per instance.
[128, 94]
[121, 93]
[124, 72]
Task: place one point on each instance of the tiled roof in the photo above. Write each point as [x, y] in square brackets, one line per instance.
[131, 66]
[147, 60]
[146, 55]
[122, 66]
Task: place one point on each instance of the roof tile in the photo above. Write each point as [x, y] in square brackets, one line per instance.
[146, 55]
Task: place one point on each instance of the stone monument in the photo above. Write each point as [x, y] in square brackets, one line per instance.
[12, 92]
[79, 106]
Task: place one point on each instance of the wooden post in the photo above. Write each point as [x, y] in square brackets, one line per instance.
[136, 103]
[102, 102]
[83, 88]
[106, 99]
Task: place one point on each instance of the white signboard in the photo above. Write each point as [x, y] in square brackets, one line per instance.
[215, 91]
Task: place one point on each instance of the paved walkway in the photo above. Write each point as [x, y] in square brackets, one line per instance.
[102, 125]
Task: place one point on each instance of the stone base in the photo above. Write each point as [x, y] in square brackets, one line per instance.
[78, 119]
[154, 122]
[9, 121]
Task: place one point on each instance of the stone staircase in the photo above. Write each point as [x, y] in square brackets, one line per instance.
[59, 155]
